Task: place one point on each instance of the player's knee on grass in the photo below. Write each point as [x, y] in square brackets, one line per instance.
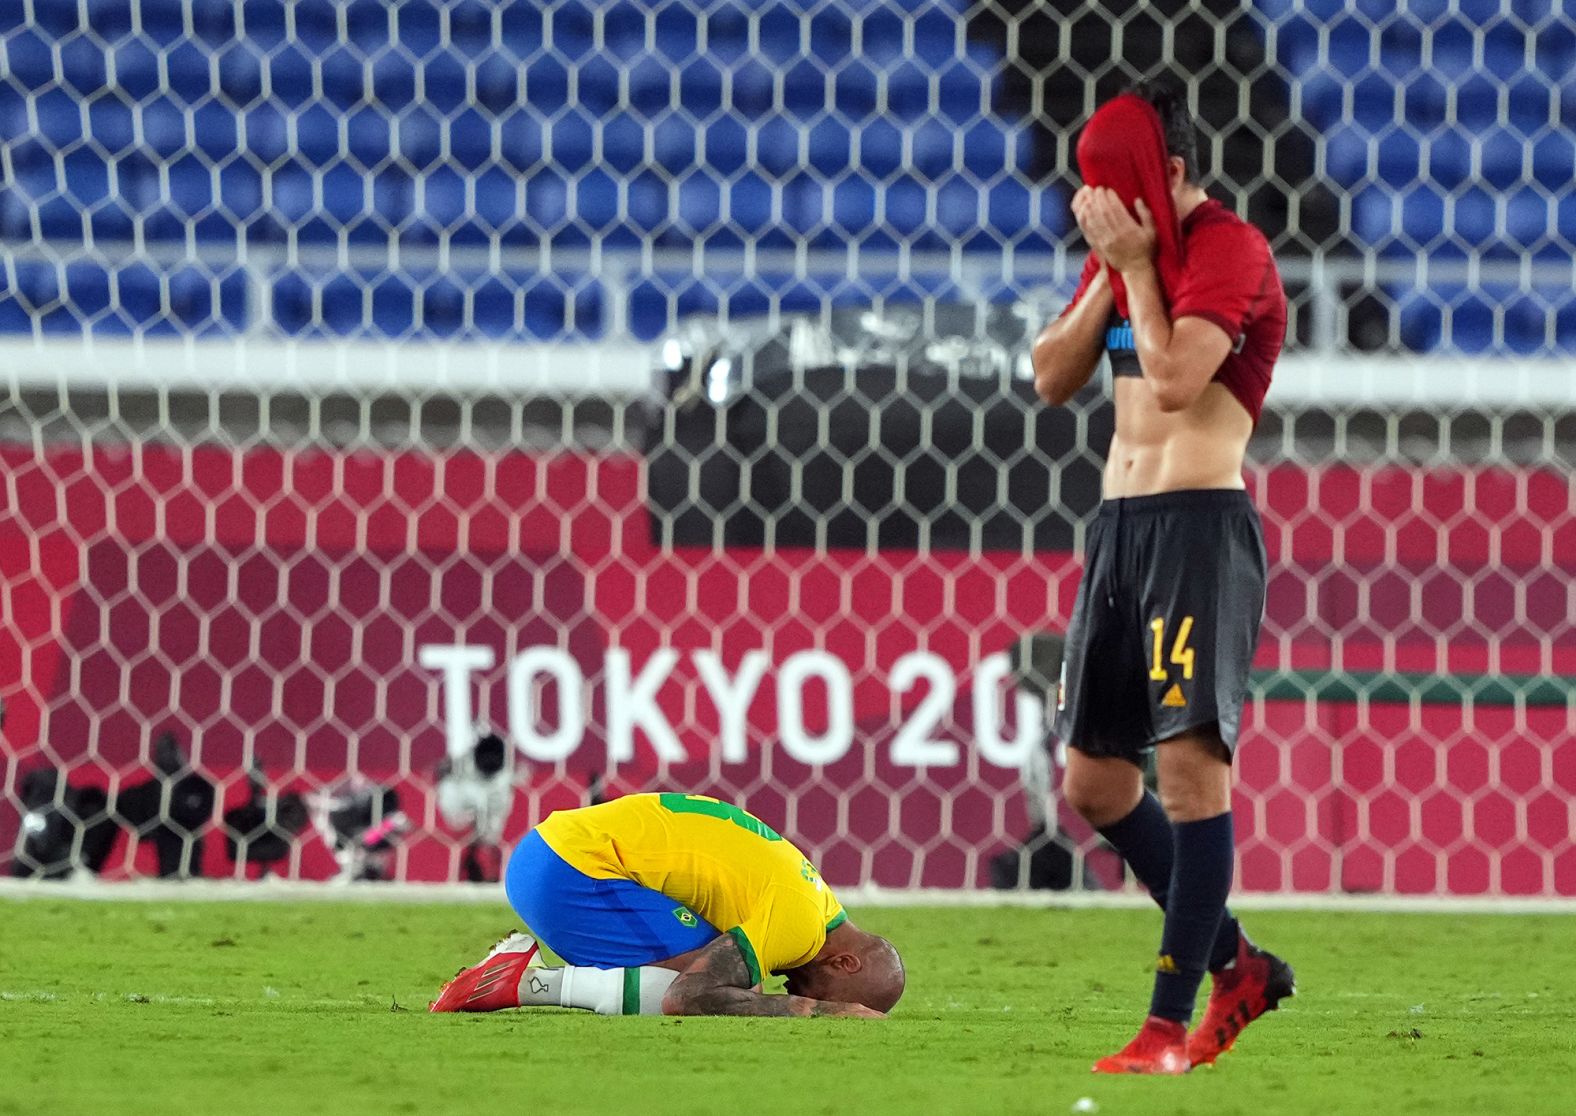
[1194, 772]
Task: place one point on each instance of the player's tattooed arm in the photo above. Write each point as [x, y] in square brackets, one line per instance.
[718, 983]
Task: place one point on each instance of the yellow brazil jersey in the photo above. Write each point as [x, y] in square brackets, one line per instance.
[725, 865]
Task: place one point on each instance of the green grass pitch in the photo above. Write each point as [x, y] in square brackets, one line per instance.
[264, 1007]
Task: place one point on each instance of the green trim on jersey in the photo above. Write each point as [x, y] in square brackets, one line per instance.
[750, 960]
[837, 920]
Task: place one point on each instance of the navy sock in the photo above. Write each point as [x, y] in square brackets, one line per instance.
[1145, 841]
[1195, 906]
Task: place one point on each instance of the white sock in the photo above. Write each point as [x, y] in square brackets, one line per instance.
[604, 991]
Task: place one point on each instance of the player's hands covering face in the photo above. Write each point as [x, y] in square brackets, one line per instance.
[1112, 233]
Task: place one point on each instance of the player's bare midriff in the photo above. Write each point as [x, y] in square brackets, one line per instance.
[1152, 451]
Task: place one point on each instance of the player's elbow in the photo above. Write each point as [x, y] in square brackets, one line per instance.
[1056, 377]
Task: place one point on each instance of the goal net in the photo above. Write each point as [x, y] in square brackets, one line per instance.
[420, 417]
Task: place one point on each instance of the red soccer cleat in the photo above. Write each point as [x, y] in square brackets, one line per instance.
[1159, 1047]
[1256, 982]
[494, 984]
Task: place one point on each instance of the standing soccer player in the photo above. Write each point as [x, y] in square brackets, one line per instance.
[1186, 300]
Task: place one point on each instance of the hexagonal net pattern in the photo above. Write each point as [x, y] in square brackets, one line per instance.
[421, 417]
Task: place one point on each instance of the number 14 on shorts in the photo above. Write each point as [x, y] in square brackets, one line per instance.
[1181, 651]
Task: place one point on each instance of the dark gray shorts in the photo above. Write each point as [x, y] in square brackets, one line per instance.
[1166, 623]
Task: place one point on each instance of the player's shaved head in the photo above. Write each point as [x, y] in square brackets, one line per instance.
[854, 967]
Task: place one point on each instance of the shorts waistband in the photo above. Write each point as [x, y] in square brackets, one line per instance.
[1190, 499]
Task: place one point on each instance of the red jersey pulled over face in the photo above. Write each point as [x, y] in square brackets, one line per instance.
[1228, 278]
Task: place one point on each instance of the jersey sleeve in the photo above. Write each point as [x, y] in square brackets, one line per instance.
[1223, 277]
[784, 931]
[1091, 268]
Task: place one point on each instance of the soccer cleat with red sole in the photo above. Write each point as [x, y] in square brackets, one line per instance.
[494, 983]
[1256, 982]
[1160, 1047]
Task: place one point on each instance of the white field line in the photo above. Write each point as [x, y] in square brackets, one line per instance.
[492, 894]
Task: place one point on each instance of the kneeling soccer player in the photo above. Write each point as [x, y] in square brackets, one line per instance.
[675, 904]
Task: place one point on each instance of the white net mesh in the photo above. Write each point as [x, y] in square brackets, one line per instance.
[643, 381]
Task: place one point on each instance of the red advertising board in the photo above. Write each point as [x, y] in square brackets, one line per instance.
[314, 613]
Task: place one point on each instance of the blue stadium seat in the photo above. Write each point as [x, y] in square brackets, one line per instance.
[15, 306]
[498, 83]
[1453, 317]
[333, 205]
[933, 142]
[29, 58]
[831, 147]
[597, 88]
[264, 134]
[28, 301]
[1565, 222]
[648, 202]
[1033, 219]
[112, 124]
[905, 206]
[958, 208]
[699, 205]
[545, 84]
[1449, 158]
[777, 145]
[985, 148]
[665, 297]
[880, 148]
[520, 28]
[60, 118]
[967, 89]
[87, 297]
[82, 66]
[754, 83]
[214, 130]
[596, 209]
[854, 89]
[908, 89]
[394, 300]
[726, 146]
[521, 144]
[469, 134]
[1554, 161]
[368, 139]
[853, 207]
[1346, 154]
[936, 36]
[749, 200]
[1529, 216]
[419, 25]
[213, 202]
[494, 312]
[623, 144]
[418, 137]
[442, 209]
[547, 201]
[570, 142]
[1474, 219]
[675, 142]
[553, 312]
